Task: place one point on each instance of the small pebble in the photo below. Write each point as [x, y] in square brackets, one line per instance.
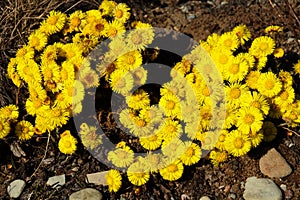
[232, 195]
[97, 178]
[204, 198]
[283, 187]
[55, 181]
[261, 188]
[274, 165]
[87, 193]
[15, 188]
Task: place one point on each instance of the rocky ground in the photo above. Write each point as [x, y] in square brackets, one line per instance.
[275, 165]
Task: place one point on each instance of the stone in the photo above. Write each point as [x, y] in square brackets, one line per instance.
[86, 194]
[15, 188]
[57, 180]
[204, 198]
[261, 188]
[97, 178]
[274, 165]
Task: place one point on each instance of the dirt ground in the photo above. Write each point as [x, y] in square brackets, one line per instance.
[197, 19]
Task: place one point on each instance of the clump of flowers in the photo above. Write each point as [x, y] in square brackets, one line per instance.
[222, 96]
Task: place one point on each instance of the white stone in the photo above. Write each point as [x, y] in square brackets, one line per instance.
[86, 194]
[15, 188]
[97, 178]
[56, 180]
[204, 198]
[261, 188]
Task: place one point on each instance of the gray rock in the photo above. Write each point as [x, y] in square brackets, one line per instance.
[86, 194]
[97, 178]
[56, 180]
[274, 165]
[261, 188]
[204, 198]
[15, 188]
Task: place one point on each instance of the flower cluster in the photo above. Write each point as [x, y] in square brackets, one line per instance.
[221, 99]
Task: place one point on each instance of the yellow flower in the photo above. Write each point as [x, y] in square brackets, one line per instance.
[234, 93]
[173, 171]
[9, 112]
[261, 62]
[121, 157]
[222, 57]
[137, 174]
[114, 29]
[96, 27]
[151, 142]
[192, 154]
[268, 84]
[75, 20]
[236, 70]
[171, 105]
[67, 72]
[67, 143]
[256, 138]
[271, 29]
[237, 144]
[249, 119]
[242, 32]
[24, 130]
[220, 143]
[256, 100]
[35, 106]
[141, 127]
[218, 157]
[286, 78]
[262, 46]
[138, 100]
[57, 117]
[12, 72]
[286, 96]
[173, 149]
[37, 40]
[4, 127]
[297, 67]
[74, 92]
[153, 162]
[251, 79]
[269, 131]
[26, 52]
[54, 22]
[106, 7]
[140, 37]
[90, 138]
[229, 40]
[170, 129]
[49, 54]
[278, 52]
[88, 77]
[121, 12]
[121, 82]
[130, 60]
[209, 140]
[139, 75]
[248, 58]
[29, 71]
[113, 180]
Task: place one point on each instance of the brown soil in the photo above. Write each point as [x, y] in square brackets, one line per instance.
[197, 19]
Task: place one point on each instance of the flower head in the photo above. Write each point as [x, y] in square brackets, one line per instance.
[67, 143]
[172, 171]
[24, 130]
[237, 144]
[113, 180]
